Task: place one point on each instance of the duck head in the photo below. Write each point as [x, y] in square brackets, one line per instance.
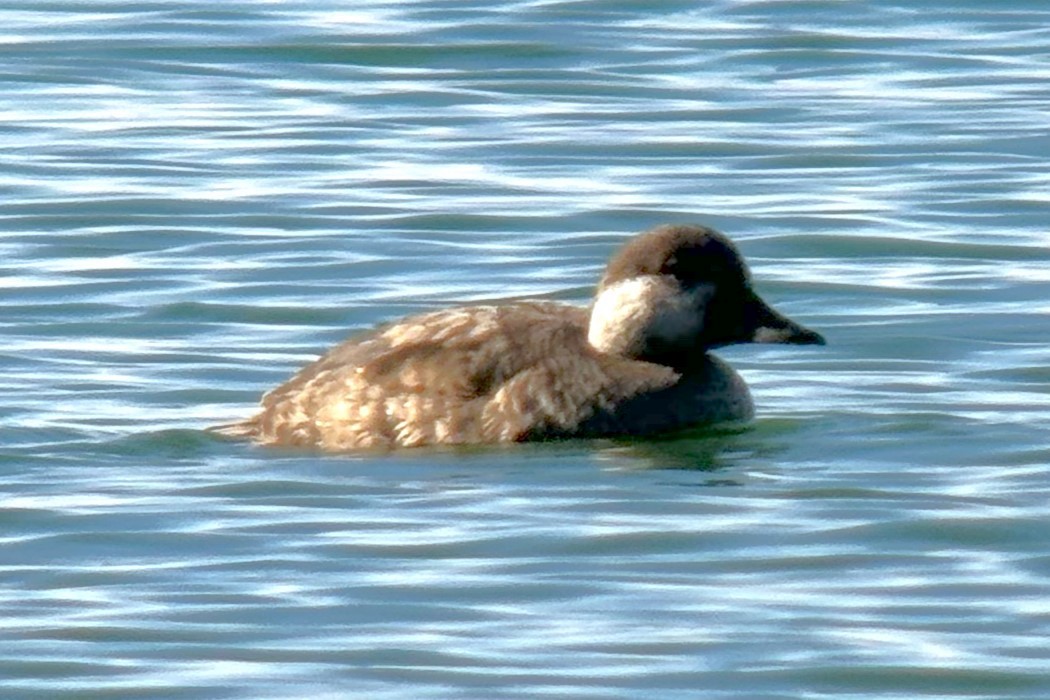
[674, 292]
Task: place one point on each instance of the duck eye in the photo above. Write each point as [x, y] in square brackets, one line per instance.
[696, 268]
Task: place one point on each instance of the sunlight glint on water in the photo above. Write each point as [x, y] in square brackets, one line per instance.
[201, 198]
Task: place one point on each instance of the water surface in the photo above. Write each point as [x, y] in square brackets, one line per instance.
[199, 198]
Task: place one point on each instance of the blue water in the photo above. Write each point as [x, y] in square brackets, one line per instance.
[198, 198]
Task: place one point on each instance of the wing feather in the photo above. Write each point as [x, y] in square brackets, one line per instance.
[464, 375]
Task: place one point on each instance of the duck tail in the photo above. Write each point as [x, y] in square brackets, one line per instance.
[245, 429]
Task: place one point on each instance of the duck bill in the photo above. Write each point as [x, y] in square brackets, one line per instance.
[769, 326]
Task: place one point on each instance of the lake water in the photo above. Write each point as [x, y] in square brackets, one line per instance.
[200, 197]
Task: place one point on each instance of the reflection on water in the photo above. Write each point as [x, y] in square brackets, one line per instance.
[199, 200]
[703, 449]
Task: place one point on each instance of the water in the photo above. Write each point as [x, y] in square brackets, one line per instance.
[200, 197]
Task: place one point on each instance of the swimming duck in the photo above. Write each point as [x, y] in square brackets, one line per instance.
[635, 363]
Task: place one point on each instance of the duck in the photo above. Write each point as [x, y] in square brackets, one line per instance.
[636, 362]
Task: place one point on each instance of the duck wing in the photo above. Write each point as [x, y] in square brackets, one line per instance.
[462, 375]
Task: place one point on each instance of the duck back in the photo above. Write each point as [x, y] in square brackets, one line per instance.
[479, 374]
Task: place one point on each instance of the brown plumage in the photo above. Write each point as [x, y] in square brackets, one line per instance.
[635, 363]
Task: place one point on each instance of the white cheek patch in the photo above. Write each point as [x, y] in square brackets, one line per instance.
[631, 313]
[619, 314]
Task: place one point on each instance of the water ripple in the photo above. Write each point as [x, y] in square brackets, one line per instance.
[200, 198]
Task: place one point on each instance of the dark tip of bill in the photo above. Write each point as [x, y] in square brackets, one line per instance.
[807, 337]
